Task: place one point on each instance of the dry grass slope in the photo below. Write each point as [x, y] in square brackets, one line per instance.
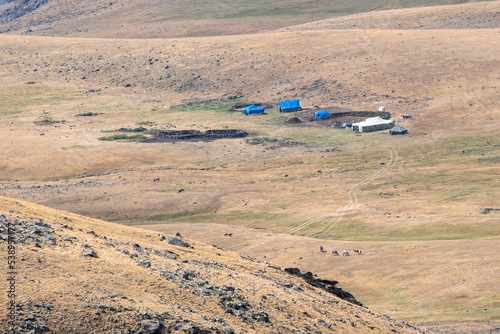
[132, 281]
[483, 15]
[175, 18]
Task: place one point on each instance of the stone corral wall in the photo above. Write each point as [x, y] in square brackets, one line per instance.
[196, 134]
[229, 133]
[179, 134]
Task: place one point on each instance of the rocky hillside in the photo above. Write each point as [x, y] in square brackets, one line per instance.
[75, 274]
[11, 10]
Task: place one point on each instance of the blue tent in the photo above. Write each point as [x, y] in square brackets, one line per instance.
[321, 114]
[253, 109]
[290, 105]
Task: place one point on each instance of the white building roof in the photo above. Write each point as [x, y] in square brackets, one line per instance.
[373, 121]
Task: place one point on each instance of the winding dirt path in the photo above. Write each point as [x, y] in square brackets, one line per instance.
[353, 198]
[352, 204]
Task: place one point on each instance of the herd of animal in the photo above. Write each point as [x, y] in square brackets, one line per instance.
[321, 248]
[344, 253]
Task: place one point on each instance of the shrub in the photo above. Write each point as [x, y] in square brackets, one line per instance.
[123, 137]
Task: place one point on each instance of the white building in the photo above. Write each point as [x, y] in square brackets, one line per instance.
[372, 124]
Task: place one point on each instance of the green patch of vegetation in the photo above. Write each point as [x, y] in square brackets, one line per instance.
[209, 215]
[469, 145]
[47, 120]
[460, 194]
[123, 137]
[355, 232]
[316, 138]
[146, 123]
[489, 158]
[168, 217]
[372, 186]
[479, 310]
[343, 229]
[212, 105]
[16, 99]
[128, 130]
[159, 109]
[140, 129]
[257, 141]
[89, 114]
[11, 111]
[278, 11]
[250, 219]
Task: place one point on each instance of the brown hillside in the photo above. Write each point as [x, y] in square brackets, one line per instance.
[79, 116]
[133, 282]
[483, 15]
[450, 277]
[175, 18]
[447, 79]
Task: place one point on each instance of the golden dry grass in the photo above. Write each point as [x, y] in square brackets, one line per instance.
[472, 15]
[194, 18]
[434, 182]
[75, 287]
[419, 281]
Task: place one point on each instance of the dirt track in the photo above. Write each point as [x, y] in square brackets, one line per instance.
[431, 195]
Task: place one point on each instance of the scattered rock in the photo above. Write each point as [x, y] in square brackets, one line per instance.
[174, 241]
[324, 324]
[89, 253]
[145, 264]
[151, 326]
[325, 284]
[292, 271]
[488, 210]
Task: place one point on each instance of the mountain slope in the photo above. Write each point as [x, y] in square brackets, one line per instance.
[148, 19]
[483, 15]
[358, 69]
[76, 274]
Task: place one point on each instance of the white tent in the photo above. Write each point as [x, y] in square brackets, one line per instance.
[373, 124]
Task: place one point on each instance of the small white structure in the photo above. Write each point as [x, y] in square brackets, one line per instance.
[373, 124]
[381, 109]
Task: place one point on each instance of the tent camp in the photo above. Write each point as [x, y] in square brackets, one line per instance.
[252, 110]
[373, 124]
[290, 105]
[321, 114]
[398, 130]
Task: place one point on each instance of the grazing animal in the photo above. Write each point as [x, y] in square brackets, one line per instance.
[358, 251]
[321, 249]
[228, 234]
[156, 180]
[345, 253]
[334, 252]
